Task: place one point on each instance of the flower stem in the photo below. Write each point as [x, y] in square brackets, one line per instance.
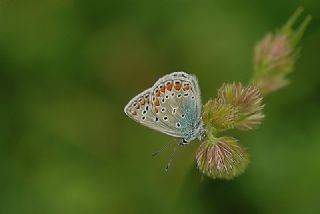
[211, 135]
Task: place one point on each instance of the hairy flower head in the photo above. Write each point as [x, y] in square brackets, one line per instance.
[275, 55]
[220, 115]
[222, 158]
[248, 102]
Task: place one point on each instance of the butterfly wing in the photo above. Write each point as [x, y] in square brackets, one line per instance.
[140, 109]
[176, 101]
[171, 106]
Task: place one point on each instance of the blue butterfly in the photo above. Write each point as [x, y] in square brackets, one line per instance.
[171, 106]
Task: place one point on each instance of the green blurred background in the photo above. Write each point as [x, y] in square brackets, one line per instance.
[68, 67]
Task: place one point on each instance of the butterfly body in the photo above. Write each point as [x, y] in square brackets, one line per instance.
[172, 106]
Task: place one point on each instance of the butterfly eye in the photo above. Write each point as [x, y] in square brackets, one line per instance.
[184, 141]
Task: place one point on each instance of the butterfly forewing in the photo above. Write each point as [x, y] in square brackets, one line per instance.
[175, 99]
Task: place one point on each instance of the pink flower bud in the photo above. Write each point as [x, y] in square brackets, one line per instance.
[222, 158]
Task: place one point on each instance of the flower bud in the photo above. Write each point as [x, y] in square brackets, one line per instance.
[222, 158]
[247, 101]
[275, 55]
[219, 115]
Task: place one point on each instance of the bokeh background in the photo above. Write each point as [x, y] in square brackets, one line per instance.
[68, 67]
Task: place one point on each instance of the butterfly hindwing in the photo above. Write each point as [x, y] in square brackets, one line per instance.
[140, 110]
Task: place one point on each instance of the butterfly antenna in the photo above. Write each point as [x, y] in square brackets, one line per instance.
[166, 146]
[171, 158]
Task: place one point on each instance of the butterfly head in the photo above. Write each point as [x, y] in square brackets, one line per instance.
[184, 142]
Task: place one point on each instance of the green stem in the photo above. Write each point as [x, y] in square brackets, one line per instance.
[211, 135]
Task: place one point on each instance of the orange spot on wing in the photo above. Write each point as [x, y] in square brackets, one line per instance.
[186, 87]
[136, 105]
[142, 101]
[157, 93]
[155, 109]
[162, 88]
[169, 86]
[147, 99]
[156, 102]
[177, 86]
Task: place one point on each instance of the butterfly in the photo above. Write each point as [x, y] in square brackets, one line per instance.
[171, 106]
